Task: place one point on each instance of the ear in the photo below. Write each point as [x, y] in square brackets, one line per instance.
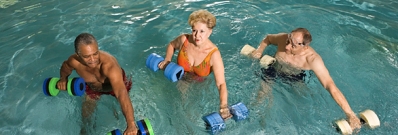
[210, 31]
[307, 46]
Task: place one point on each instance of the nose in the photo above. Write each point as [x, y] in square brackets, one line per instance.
[288, 47]
[91, 58]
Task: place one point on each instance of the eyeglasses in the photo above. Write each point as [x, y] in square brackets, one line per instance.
[290, 40]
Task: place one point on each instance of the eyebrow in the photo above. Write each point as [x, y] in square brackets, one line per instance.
[90, 54]
[290, 38]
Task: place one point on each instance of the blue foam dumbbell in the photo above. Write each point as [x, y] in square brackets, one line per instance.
[144, 128]
[173, 71]
[215, 123]
[75, 86]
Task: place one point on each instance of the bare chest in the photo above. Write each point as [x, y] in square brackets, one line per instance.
[298, 62]
[91, 75]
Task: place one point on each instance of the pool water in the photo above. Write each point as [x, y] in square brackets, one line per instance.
[356, 38]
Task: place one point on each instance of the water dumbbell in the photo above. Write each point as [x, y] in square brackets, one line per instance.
[75, 86]
[144, 128]
[173, 71]
[367, 117]
[265, 60]
[215, 123]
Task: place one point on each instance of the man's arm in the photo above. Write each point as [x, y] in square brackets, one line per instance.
[218, 69]
[65, 71]
[274, 39]
[114, 74]
[317, 65]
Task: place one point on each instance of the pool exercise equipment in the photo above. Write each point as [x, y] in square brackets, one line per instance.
[265, 60]
[144, 128]
[215, 123]
[75, 86]
[172, 71]
[367, 117]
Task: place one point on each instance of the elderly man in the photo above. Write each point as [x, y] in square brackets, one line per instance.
[293, 56]
[102, 74]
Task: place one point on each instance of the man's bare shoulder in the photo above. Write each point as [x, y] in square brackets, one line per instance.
[279, 39]
[313, 58]
[73, 61]
[108, 60]
[107, 56]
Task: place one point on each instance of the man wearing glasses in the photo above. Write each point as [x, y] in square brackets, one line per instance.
[293, 56]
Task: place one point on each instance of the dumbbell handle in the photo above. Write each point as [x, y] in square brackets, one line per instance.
[164, 65]
[118, 132]
[66, 84]
[229, 112]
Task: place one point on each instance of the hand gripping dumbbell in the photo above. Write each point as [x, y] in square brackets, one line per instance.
[75, 86]
[265, 60]
[215, 123]
[173, 71]
[367, 117]
[144, 128]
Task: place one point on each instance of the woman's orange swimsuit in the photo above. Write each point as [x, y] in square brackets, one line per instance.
[203, 69]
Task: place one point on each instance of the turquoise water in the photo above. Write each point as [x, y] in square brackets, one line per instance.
[357, 40]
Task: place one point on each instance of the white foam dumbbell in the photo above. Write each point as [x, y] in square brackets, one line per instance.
[265, 60]
[370, 118]
[367, 117]
[247, 50]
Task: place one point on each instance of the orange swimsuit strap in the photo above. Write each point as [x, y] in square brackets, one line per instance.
[203, 69]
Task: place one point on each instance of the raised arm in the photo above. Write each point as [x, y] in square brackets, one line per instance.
[66, 69]
[114, 74]
[218, 69]
[274, 39]
[317, 65]
[173, 45]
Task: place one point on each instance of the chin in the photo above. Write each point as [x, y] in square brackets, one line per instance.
[92, 65]
[199, 42]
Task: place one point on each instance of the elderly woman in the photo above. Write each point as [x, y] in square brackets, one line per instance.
[199, 56]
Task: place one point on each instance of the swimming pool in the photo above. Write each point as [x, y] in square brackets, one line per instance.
[357, 40]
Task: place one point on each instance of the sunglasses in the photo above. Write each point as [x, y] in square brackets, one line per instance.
[290, 40]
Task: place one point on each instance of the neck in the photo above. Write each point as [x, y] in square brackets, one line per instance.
[200, 46]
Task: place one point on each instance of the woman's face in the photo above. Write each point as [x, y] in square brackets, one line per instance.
[200, 32]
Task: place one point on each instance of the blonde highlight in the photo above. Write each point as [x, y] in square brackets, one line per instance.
[202, 16]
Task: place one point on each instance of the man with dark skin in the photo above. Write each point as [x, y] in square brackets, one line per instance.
[294, 53]
[102, 74]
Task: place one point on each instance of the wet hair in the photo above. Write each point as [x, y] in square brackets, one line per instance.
[307, 38]
[203, 16]
[84, 39]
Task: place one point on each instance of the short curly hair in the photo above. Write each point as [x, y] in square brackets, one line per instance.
[84, 39]
[203, 16]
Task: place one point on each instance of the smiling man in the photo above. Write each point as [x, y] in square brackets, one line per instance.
[102, 74]
[293, 56]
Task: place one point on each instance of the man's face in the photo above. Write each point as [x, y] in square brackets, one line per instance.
[294, 43]
[89, 54]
